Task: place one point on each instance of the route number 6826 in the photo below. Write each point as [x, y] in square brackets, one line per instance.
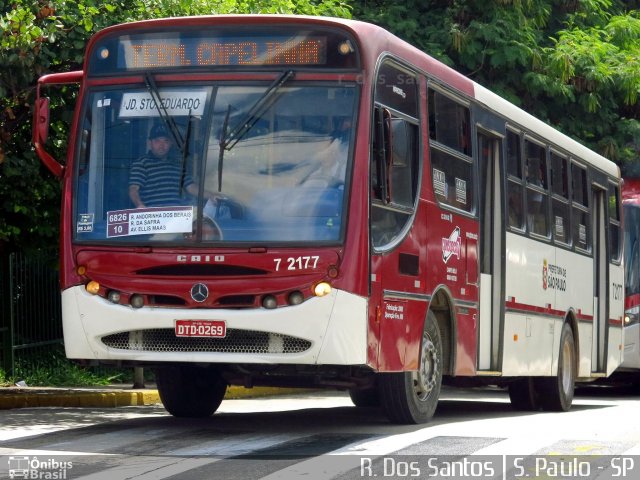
[297, 263]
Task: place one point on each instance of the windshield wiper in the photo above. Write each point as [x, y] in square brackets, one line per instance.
[170, 124]
[229, 140]
[225, 125]
[267, 99]
[185, 154]
[167, 119]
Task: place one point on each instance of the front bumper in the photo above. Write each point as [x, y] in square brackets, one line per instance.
[329, 330]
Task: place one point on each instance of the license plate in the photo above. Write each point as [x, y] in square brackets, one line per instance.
[201, 328]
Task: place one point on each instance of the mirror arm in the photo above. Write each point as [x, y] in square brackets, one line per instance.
[41, 118]
[51, 163]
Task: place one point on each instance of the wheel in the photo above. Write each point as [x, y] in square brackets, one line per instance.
[365, 397]
[412, 397]
[556, 393]
[523, 395]
[187, 391]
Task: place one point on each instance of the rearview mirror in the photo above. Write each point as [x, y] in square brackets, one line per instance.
[41, 120]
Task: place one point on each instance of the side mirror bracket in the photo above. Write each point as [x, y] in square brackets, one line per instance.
[41, 120]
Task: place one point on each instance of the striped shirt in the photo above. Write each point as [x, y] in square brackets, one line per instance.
[159, 180]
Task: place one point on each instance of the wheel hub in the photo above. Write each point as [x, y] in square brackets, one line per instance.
[424, 380]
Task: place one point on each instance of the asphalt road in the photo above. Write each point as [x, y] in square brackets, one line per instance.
[321, 435]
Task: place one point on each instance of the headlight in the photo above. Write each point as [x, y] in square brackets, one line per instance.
[631, 316]
[322, 289]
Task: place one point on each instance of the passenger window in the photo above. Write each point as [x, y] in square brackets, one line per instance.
[615, 239]
[537, 196]
[515, 190]
[449, 123]
[452, 180]
[451, 162]
[560, 204]
[581, 225]
[403, 162]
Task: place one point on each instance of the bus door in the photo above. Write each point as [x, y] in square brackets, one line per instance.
[491, 247]
[600, 276]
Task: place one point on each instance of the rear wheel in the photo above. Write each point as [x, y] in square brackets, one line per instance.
[412, 397]
[188, 391]
[556, 393]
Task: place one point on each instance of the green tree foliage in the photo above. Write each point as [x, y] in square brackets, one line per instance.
[573, 63]
[47, 36]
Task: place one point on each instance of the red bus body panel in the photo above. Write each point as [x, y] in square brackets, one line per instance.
[392, 345]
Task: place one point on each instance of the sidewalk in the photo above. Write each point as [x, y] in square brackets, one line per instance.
[109, 396]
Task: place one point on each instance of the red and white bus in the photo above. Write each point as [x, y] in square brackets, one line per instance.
[631, 208]
[351, 213]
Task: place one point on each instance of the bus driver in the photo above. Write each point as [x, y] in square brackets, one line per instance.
[155, 177]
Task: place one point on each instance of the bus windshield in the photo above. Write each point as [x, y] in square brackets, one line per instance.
[158, 164]
[632, 249]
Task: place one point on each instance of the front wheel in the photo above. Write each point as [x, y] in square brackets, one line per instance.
[524, 395]
[365, 397]
[189, 391]
[412, 397]
[556, 393]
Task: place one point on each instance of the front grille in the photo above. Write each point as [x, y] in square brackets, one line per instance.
[236, 341]
[201, 270]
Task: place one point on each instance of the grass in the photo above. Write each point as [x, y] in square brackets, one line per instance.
[51, 368]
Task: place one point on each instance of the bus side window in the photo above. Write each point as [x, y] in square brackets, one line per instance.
[449, 123]
[537, 196]
[515, 189]
[404, 172]
[580, 208]
[615, 250]
[451, 162]
[560, 203]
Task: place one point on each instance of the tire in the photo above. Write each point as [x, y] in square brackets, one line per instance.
[556, 393]
[412, 397]
[365, 397]
[191, 392]
[524, 395]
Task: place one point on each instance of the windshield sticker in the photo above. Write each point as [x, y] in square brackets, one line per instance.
[146, 221]
[85, 223]
[176, 103]
[452, 245]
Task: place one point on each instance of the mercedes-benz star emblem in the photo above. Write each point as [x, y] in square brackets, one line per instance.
[199, 292]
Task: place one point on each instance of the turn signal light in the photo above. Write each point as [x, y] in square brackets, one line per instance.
[322, 289]
[93, 287]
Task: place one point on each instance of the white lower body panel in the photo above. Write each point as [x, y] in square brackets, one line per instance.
[334, 326]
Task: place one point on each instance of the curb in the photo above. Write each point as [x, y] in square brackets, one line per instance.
[30, 397]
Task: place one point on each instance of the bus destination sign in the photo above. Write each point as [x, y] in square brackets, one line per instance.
[151, 53]
[217, 48]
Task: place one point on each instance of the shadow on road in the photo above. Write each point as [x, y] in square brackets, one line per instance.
[233, 428]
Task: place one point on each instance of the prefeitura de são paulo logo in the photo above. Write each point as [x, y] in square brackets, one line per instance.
[452, 245]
